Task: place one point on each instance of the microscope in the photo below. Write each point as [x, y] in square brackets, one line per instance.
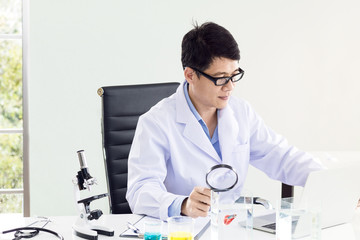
[84, 226]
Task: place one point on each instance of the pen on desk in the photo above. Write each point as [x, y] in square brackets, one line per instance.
[137, 231]
[132, 227]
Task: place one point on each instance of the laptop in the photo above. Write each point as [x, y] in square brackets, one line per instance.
[338, 190]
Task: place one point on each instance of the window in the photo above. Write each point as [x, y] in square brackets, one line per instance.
[13, 191]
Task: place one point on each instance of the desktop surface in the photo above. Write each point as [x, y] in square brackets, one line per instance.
[63, 225]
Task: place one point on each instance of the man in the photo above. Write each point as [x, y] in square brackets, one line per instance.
[202, 125]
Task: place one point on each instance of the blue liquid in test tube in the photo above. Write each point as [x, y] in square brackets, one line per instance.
[152, 236]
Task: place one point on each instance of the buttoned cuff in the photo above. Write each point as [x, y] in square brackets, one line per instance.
[175, 207]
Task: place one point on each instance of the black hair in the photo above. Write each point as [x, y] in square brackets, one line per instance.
[204, 43]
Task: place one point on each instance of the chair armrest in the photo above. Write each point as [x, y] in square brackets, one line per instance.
[264, 202]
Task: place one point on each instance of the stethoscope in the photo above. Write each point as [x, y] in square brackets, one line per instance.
[30, 232]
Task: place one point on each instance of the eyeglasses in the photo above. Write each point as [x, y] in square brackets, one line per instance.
[220, 81]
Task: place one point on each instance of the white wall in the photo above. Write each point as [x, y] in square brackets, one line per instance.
[301, 62]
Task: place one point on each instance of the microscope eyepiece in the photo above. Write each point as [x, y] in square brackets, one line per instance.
[82, 159]
[84, 177]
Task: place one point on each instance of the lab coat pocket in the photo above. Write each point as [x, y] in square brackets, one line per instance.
[240, 158]
[237, 155]
[240, 148]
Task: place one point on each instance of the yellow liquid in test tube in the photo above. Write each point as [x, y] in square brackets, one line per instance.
[180, 236]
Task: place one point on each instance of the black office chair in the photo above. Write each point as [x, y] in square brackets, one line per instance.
[287, 191]
[121, 108]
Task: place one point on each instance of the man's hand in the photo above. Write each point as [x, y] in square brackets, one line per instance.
[198, 203]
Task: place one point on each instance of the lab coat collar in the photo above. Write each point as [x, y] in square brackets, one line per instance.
[193, 130]
[228, 128]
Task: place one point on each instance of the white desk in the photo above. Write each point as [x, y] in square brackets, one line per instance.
[63, 225]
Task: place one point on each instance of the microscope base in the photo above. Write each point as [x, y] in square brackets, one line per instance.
[92, 234]
[85, 233]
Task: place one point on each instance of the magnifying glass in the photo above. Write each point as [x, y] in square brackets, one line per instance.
[221, 178]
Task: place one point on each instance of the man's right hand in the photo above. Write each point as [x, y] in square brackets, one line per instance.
[198, 203]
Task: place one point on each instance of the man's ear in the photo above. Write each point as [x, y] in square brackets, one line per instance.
[189, 74]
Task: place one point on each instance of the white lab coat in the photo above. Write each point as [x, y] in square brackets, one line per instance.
[171, 153]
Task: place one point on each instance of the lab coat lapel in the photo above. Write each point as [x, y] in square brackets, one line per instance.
[193, 130]
[228, 129]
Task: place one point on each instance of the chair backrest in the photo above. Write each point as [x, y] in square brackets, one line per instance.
[121, 108]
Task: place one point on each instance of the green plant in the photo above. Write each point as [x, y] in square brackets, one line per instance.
[11, 161]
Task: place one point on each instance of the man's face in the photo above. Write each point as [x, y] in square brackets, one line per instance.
[204, 94]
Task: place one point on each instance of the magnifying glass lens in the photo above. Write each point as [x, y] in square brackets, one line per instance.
[221, 178]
